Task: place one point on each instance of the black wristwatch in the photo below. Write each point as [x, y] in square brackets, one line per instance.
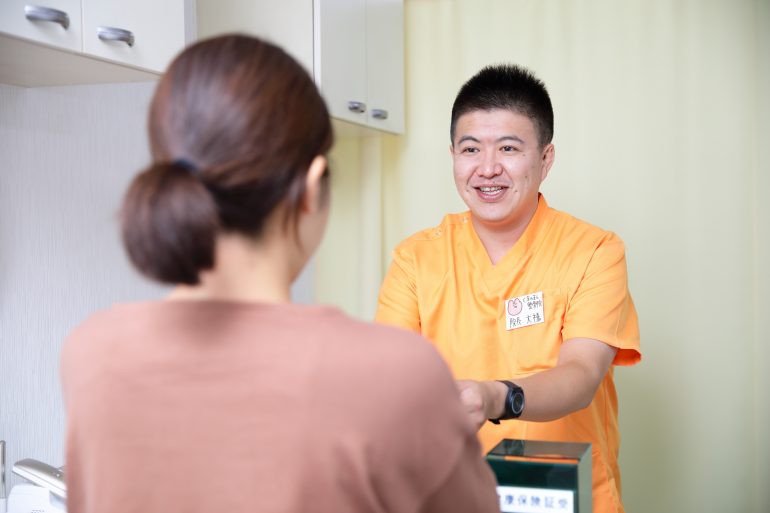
[514, 402]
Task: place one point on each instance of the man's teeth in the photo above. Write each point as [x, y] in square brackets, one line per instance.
[490, 189]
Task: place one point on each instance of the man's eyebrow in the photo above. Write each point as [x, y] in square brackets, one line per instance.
[510, 138]
[467, 138]
[499, 139]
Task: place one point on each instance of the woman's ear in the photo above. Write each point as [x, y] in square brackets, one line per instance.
[311, 201]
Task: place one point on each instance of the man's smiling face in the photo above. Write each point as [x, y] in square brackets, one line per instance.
[498, 166]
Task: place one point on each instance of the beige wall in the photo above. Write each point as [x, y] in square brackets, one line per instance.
[761, 259]
[661, 122]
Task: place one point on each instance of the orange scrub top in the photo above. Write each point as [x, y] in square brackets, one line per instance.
[563, 279]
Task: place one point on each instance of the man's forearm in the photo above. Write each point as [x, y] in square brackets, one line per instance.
[556, 392]
[550, 394]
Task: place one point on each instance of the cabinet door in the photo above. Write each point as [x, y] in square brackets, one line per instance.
[340, 57]
[148, 33]
[385, 64]
[40, 21]
[288, 23]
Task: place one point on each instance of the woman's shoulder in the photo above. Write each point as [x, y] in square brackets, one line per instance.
[401, 368]
[386, 343]
[113, 320]
[94, 325]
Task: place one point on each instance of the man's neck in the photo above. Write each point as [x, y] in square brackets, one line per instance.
[498, 239]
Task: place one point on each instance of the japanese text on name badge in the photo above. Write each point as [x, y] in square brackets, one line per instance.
[524, 311]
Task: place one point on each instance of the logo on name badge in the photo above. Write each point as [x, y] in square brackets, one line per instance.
[524, 311]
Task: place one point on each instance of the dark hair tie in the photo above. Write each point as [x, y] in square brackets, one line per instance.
[187, 166]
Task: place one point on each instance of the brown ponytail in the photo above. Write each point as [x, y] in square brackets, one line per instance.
[234, 124]
[169, 224]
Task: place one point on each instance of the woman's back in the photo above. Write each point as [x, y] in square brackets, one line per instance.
[225, 397]
[201, 406]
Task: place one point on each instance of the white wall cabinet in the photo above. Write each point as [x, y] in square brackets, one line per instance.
[155, 30]
[354, 49]
[340, 58]
[360, 61]
[385, 64]
[57, 23]
[288, 23]
[142, 36]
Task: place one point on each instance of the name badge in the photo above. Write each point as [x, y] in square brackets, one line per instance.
[524, 311]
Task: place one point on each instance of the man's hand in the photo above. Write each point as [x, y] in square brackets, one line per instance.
[482, 399]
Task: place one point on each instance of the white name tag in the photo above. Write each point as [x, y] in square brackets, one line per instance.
[516, 499]
[524, 311]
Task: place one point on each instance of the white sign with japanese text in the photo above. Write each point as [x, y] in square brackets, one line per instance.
[524, 311]
[516, 499]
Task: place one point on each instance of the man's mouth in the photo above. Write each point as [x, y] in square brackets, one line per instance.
[490, 192]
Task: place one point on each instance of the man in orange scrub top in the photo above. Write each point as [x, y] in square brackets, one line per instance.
[529, 306]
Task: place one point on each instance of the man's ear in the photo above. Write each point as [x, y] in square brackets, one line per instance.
[549, 154]
[311, 200]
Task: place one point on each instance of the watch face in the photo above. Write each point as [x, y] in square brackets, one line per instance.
[517, 403]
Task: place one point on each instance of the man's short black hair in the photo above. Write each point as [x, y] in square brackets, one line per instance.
[508, 87]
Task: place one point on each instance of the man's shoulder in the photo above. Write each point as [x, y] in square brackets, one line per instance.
[582, 232]
[451, 227]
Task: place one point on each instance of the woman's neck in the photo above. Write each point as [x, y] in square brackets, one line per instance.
[246, 271]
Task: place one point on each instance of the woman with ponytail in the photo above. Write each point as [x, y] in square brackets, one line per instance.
[225, 396]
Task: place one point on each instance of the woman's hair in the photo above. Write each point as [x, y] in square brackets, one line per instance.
[234, 126]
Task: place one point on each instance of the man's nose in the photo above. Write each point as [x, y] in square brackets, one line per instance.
[489, 166]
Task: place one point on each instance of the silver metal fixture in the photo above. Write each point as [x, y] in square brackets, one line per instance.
[379, 114]
[357, 107]
[115, 34]
[2, 471]
[37, 13]
[42, 474]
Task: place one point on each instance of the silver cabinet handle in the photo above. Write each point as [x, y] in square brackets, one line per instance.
[115, 34]
[357, 107]
[379, 114]
[36, 13]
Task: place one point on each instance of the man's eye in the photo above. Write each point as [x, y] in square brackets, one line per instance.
[470, 150]
[508, 148]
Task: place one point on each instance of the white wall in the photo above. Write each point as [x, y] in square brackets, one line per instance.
[66, 155]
